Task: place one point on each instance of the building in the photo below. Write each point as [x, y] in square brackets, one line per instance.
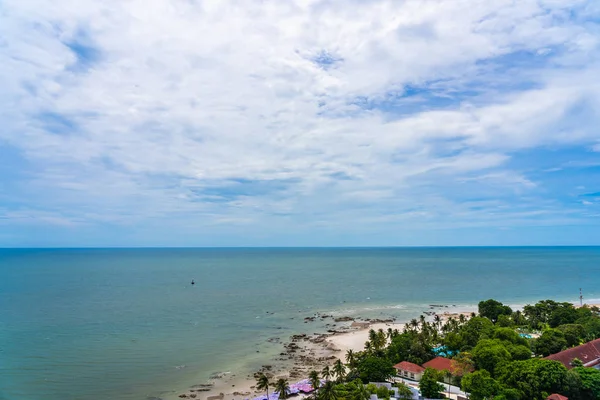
[588, 353]
[556, 397]
[440, 364]
[409, 370]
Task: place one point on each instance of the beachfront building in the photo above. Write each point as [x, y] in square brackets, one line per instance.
[409, 370]
[588, 353]
[442, 364]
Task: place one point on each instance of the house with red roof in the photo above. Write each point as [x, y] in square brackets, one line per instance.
[440, 364]
[588, 353]
[412, 371]
[556, 396]
[409, 370]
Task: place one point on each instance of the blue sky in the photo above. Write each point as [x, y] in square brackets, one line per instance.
[299, 123]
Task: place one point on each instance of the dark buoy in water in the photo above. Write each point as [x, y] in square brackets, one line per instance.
[193, 283]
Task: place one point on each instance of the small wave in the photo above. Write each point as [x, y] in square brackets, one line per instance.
[356, 310]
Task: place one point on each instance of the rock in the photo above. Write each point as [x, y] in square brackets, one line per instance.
[343, 319]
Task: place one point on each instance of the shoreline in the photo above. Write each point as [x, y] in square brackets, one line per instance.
[304, 352]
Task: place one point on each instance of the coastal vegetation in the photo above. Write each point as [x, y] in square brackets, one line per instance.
[496, 353]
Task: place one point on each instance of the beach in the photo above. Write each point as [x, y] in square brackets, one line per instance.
[306, 352]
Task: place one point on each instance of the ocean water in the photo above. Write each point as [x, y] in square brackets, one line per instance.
[121, 323]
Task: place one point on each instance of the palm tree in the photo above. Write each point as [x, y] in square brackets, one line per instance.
[315, 381]
[262, 383]
[381, 339]
[373, 339]
[438, 321]
[350, 358]
[282, 387]
[339, 370]
[361, 392]
[414, 323]
[328, 391]
[326, 373]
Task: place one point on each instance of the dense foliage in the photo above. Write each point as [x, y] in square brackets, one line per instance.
[496, 354]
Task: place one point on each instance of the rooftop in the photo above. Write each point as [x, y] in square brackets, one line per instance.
[588, 353]
[556, 397]
[440, 363]
[410, 367]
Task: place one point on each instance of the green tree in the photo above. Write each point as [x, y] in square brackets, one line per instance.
[315, 381]
[351, 359]
[573, 385]
[574, 333]
[339, 370]
[489, 354]
[550, 342]
[282, 387]
[563, 314]
[518, 352]
[492, 309]
[539, 313]
[534, 378]
[429, 385]
[375, 369]
[475, 329]
[509, 335]
[518, 318]
[360, 391]
[382, 392]
[590, 382]
[329, 391]
[480, 385]
[505, 321]
[404, 392]
[262, 383]
[576, 362]
[508, 394]
[326, 373]
[409, 346]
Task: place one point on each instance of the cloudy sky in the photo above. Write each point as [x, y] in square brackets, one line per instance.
[305, 122]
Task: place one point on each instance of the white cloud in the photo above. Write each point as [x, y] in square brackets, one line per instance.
[186, 95]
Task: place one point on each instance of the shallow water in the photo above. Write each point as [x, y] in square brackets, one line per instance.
[117, 323]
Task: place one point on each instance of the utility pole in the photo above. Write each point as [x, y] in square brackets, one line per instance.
[580, 298]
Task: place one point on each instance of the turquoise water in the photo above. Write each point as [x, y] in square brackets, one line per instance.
[116, 323]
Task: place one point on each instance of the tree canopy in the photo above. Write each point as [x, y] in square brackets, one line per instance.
[492, 309]
[429, 385]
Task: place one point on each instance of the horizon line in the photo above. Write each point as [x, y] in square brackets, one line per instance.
[288, 247]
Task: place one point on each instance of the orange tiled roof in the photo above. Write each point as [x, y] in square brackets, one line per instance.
[410, 367]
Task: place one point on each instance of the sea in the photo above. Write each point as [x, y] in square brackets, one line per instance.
[127, 323]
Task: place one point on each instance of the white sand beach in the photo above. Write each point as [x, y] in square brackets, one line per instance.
[355, 340]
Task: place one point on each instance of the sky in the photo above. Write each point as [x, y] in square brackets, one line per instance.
[299, 123]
